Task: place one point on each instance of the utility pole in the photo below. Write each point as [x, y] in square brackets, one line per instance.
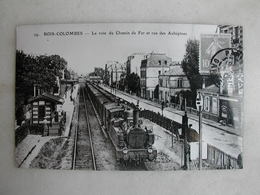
[184, 130]
[200, 142]
[162, 107]
[199, 105]
[172, 130]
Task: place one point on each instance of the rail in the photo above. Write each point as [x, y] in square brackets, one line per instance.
[75, 144]
[74, 154]
[90, 134]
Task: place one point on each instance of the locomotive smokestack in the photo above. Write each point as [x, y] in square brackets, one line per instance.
[135, 116]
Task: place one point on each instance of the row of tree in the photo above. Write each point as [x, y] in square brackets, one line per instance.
[32, 70]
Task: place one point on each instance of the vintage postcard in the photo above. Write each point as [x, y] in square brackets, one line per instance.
[129, 96]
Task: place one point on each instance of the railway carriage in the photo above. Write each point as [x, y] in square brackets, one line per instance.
[132, 143]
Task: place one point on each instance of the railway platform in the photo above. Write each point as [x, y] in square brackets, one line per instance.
[68, 107]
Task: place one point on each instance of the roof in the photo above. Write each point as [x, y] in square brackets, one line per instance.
[211, 89]
[175, 70]
[48, 97]
[152, 60]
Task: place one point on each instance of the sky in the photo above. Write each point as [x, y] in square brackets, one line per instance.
[85, 46]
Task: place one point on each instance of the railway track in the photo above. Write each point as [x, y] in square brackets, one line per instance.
[89, 137]
[119, 166]
[83, 155]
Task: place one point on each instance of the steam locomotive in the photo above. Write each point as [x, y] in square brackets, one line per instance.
[132, 143]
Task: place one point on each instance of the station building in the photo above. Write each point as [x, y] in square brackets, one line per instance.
[45, 111]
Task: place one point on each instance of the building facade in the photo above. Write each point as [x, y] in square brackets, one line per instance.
[133, 63]
[171, 83]
[152, 66]
[210, 96]
[236, 34]
[226, 101]
[115, 71]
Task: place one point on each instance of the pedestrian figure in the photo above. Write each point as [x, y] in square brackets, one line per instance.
[45, 127]
[56, 116]
[240, 161]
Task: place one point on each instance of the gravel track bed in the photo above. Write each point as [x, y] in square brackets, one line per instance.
[83, 158]
[103, 148]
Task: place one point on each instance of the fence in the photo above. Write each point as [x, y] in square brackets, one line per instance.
[193, 111]
[160, 120]
[220, 160]
[215, 157]
[168, 124]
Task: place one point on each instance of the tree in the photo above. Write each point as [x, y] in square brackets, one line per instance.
[67, 74]
[121, 83]
[30, 70]
[190, 66]
[132, 81]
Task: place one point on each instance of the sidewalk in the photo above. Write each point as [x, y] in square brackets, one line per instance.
[31, 144]
[181, 113]
[213, 133]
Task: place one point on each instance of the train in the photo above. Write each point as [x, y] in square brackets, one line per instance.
[132, 142]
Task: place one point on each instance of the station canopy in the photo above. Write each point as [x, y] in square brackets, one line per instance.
[47, 97]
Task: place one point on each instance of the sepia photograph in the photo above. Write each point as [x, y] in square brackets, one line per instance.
[129, 97]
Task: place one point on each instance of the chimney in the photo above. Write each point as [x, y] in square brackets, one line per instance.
[34, 90]
[203, 83]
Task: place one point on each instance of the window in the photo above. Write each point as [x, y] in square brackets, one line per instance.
[207, 103]
[160, 82]
[165, 62]
[159, 62]
[56, 89]
[214, 105]
[148, 94]
[143, 73]
[161, 95]
[236, 31]
[179, 84]
[159, 72]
